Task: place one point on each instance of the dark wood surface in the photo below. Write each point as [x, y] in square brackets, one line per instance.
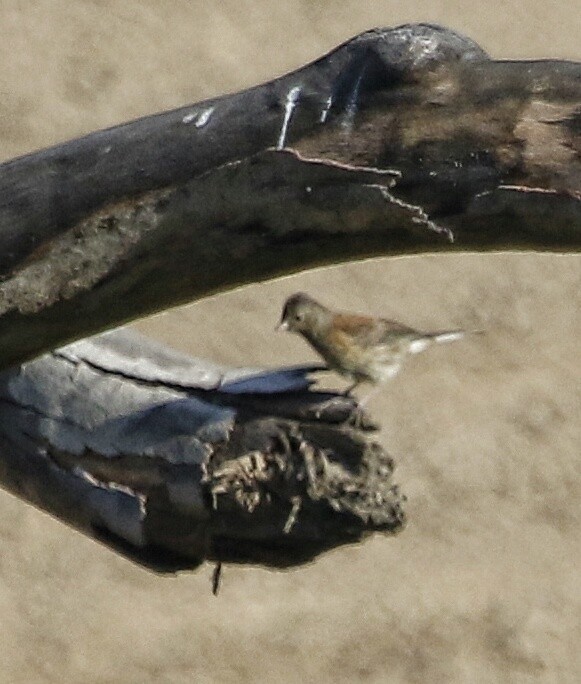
[397, 141]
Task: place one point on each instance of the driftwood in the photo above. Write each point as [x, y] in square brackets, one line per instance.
[404, 139]
[172, 461]
[396, 141]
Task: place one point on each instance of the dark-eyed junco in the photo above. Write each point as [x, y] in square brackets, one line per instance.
[362, 348]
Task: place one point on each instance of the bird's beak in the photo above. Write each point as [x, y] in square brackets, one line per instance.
[282, 326]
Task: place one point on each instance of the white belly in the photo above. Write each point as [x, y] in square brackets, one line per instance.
[384, 372]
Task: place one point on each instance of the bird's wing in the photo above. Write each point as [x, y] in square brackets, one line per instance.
[369, 331]
[395, 327]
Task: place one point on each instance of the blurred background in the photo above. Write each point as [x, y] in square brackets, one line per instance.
[483, 584]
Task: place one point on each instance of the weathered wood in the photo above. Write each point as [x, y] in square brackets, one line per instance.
[171, 460]
[393, 142]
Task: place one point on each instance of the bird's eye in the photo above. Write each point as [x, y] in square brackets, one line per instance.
[299, 316]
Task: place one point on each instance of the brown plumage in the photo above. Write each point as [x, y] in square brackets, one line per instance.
[362, 348]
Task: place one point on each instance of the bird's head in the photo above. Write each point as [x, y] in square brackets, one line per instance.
[302, 314]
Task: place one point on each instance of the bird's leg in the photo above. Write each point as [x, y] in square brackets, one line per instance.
[359, 419]
[349, 390]
[361, 404]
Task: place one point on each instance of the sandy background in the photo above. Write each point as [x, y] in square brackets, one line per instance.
[483, 585]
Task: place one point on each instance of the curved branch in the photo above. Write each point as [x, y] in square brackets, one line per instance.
[396, 141]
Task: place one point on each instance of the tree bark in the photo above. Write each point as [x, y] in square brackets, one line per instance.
[397, 141]
[172, 460]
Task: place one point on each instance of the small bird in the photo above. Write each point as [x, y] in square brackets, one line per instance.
[362, 348]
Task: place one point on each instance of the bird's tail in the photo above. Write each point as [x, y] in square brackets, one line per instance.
[418, 345]
[450, 336]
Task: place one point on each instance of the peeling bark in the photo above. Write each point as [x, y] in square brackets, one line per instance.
[172, 461]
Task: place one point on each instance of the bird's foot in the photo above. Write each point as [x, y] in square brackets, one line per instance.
[359, 420]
